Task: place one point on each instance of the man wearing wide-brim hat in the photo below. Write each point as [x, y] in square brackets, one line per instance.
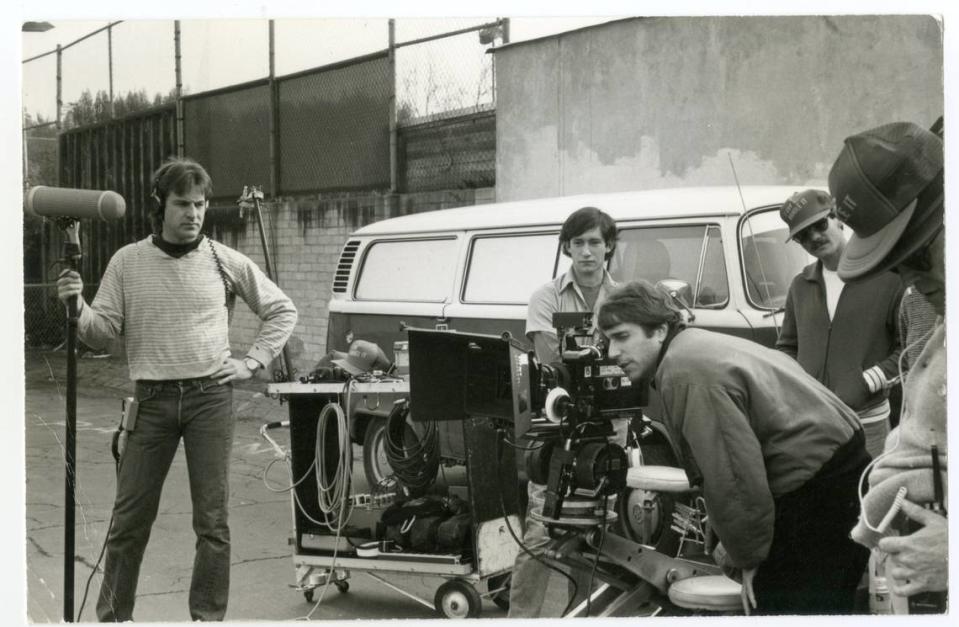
[888, 186]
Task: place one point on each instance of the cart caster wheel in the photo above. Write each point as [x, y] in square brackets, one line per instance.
[342, 586]
[457, 599]
[498, 587]
[308, 595]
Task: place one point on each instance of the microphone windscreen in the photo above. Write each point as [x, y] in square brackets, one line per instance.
[81, 204]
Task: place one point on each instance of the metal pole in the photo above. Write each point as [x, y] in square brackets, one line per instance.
[71, 254]
[287, 362]
[110, 64]
[179, 88]
[274, 120]
[59, 105]
[505, 22]
[392, 74]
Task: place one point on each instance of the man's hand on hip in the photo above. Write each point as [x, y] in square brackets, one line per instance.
[231, 370]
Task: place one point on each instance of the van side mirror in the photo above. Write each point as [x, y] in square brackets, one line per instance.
[681, 293]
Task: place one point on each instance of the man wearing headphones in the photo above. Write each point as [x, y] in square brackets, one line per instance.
[171, 296]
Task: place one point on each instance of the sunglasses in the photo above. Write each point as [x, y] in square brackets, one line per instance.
[819, 226]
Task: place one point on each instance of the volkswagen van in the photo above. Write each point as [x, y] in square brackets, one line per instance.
[722, 250]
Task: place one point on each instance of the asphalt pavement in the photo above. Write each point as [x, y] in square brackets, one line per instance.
[262, 573]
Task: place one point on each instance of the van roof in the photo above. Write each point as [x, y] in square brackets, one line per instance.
[683, 202]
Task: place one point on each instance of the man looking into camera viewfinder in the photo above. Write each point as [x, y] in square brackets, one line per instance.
[778, 456]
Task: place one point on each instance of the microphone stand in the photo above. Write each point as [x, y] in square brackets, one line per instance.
[71, 256]
[254, 193]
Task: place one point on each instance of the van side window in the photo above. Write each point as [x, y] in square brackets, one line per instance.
[769, 262]
[408, 270]
[505, 270]
[692, 254]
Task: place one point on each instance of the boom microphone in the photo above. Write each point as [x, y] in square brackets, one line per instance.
[53, 202]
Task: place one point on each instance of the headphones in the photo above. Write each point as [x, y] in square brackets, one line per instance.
[155, 192]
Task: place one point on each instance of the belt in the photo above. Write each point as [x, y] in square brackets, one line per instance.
[173, 381]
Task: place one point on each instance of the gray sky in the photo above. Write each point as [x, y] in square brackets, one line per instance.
[218, 53]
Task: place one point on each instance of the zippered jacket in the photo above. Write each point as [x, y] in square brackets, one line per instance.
[752, 427]
[856, 353]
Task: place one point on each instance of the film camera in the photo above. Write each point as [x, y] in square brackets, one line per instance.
[563, 411]
[577, 399]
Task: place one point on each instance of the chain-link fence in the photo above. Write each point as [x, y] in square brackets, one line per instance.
[443, 68]
[44, 316]
[40, 154]
[334, 127]
[408, 116]
[417, 70]
[445, 102]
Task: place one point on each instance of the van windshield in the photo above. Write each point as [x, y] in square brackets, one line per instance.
[769, 262]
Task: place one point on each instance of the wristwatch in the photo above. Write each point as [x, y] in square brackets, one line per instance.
[252, 364]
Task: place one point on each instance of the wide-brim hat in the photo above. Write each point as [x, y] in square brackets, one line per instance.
[887, 183]
[363, 356]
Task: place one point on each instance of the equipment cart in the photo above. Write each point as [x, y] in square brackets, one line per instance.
[330, 541]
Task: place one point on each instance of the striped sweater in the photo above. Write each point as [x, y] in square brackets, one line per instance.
[173, 312]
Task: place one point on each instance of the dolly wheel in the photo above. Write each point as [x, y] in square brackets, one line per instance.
[308, 595]
[342, 586]
[457, 599]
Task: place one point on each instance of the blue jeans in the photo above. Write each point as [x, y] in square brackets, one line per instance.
[201, 412]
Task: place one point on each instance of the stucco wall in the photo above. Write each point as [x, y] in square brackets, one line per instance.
[662, 102]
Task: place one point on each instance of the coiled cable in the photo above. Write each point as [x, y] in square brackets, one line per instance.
[414, 464]
[333, 492]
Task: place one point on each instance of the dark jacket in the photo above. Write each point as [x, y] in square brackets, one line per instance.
[752, 427]
[863, 333]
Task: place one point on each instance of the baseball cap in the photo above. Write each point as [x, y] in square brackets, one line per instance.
[804, 209]
[887, 183]
[363, 356]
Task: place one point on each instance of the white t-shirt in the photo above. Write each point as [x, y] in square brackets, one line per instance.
[834, 286]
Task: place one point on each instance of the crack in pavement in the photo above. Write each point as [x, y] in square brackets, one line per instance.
[87, 563]
[160, 594]
[250, 560]
[42, 551]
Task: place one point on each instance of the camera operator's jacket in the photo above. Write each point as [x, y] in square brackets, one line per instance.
[862, 336]
[756, 426]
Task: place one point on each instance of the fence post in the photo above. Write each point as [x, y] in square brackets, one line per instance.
[274, 119]
[392, 72]
[59, 105]
[110, 65]
[179, 88]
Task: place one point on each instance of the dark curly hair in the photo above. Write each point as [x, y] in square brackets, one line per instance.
[639, 302]
[585, 219]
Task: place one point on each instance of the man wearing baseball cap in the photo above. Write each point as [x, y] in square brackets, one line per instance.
[844, 335]
[888, 185]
